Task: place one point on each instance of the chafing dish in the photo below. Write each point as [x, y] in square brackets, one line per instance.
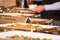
[40, 21]
[27, 26]
[12, 18]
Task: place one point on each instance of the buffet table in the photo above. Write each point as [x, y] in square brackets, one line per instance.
[15, 29]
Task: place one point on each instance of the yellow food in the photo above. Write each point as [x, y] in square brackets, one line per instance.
[28, 26]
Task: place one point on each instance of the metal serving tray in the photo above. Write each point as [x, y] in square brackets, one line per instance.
[7, 26]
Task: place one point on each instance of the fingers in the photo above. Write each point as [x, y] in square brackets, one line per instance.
[39, 9]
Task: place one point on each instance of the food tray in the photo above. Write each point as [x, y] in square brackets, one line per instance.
[29, 34]
[17, 14]
[8, 26]
[44, 26]
[41, 21]
[25, 26]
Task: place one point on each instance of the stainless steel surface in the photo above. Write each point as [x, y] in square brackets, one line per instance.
[41, 21]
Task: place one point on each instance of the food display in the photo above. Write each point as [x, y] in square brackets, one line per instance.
[24, 35]
[26, 27]
[6, 19]
[21, 37]
[32, 28]
[41, 21]
[24, 24]
[54, 30]
[36, 28]
[21, 10]
[12, 19]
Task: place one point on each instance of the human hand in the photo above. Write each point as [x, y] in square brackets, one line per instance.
[39, 9]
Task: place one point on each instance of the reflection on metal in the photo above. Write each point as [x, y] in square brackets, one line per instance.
[22, 4]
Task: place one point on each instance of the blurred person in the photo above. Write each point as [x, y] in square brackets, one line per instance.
[50, 11]
[54, 6]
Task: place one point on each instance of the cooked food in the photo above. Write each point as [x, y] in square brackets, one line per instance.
[47, 39]
[7, 19]
[28, 26]
[41, 21]
[52, 31]
[12, 19]
[21, 37]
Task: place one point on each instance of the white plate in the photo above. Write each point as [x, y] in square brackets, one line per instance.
[29, 34]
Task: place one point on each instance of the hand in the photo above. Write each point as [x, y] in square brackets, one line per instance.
[39, 9]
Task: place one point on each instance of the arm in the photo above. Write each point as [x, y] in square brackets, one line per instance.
[54, 6]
